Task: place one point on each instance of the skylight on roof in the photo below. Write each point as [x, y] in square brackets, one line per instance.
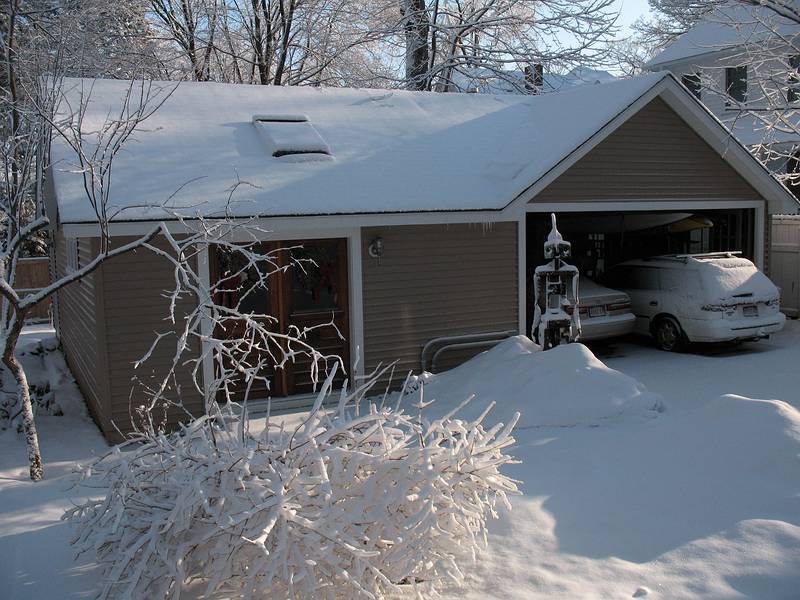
[291, 137]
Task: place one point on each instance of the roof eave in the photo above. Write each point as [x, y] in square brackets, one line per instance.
[655, 65]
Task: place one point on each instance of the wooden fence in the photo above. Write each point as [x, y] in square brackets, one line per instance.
[32, 275]
[784, 261]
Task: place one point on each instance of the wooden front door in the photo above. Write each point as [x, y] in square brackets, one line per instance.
[315, 299]
[309, 294]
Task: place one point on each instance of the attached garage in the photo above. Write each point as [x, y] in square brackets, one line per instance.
[601, 240]
[653, 186]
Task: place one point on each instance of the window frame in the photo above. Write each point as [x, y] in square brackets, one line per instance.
[736, 87]
[793, 81]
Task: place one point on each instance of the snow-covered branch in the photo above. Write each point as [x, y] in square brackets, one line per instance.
[452, 45]
[221, 327]
[348, 504]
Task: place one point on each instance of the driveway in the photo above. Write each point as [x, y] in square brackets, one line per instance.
[767, 370]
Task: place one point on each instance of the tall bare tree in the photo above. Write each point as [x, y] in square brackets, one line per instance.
[190, 26]
[449, 44]
[31, 109]
[275, 42]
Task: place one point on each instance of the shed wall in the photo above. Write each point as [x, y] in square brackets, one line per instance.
[80, 313]
[135, 310]
[436, 280]
[107, 321]
[654, 155]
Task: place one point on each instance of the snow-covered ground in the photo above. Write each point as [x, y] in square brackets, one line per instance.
[670, 489]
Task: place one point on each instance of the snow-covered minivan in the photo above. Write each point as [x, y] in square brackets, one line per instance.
[699, 298]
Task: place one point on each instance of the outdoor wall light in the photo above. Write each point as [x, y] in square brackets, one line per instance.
[376, 248]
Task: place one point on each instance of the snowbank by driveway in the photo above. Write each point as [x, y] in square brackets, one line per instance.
[564, 387]
[765, 369]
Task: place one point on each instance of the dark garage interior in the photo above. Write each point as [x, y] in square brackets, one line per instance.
[601, 240]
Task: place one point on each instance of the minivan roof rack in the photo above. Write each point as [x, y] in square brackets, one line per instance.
[729, 254]
[685, 257]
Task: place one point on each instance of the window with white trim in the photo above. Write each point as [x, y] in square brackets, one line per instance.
[793, 91]
[73, 261]
[736, 84]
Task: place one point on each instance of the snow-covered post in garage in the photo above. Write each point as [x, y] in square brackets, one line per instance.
[555, 292]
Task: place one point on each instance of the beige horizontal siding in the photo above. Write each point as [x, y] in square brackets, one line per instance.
[436, 280]
[136, 310]
[79, 320]
[653, 155]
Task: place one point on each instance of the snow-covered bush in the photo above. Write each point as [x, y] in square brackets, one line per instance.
[350, 504]
[49, 381]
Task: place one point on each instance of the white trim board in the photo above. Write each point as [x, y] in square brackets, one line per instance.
[300, 227]
[522, 265]
[640, 205]
[758, 238]
[206, 324]
[356, 305]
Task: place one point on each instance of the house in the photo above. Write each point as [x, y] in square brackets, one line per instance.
[724, 52]
[429, 210]
[533, 79]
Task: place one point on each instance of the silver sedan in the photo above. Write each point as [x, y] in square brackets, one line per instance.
[604, 312]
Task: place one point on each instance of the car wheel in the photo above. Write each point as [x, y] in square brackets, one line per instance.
[668, 334]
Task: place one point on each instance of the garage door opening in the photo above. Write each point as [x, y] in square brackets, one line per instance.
[601, 240]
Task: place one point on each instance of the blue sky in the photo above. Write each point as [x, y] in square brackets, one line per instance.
[631, 10]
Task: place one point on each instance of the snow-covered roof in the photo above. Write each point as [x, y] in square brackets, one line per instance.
[510, 82]
[723, 29]
[392, 151]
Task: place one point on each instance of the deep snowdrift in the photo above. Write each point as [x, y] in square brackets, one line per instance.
[564, 387]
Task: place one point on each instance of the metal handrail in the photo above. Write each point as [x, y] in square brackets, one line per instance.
[460, 346]
[448, 340]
